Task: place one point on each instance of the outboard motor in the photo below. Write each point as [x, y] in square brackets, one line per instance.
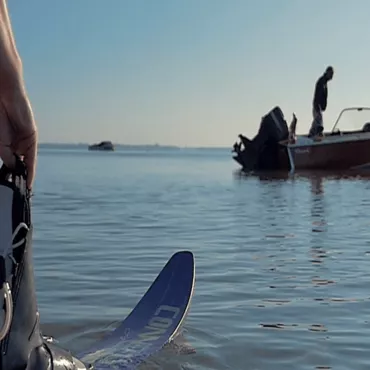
[21, 342]
[261, 153]
[273, 128]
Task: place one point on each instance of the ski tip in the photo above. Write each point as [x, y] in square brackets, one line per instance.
[184, 253]
[185, 256]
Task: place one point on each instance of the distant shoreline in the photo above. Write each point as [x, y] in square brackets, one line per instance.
[129, 146]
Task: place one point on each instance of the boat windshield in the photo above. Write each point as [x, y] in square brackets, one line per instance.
[353, 119]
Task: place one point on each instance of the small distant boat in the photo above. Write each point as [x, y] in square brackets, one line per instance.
[103, 145]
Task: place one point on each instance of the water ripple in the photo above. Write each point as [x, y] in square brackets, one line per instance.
[282, 265]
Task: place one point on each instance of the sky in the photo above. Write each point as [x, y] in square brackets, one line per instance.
[186, 72]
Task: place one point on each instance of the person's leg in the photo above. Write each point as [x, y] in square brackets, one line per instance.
[18, 133]
[317, 126]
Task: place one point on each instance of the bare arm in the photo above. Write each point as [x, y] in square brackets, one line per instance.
[18, 133]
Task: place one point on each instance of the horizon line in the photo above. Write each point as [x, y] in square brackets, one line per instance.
[135, 145]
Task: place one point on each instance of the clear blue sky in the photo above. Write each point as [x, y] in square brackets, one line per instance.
[186, 72]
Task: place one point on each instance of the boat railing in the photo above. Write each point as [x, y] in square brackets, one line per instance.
[359, 109]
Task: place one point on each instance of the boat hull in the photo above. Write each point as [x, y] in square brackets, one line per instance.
[334, 153]
[341, 152]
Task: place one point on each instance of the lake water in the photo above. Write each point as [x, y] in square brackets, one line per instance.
[282, 266]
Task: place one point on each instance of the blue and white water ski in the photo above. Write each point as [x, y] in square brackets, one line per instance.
[153, 322]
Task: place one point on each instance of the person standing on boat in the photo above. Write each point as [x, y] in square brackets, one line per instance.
[18, 132]
[320, 101]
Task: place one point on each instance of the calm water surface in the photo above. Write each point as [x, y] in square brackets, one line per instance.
[282, 265]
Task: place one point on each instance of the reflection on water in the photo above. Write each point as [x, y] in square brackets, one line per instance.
[319, 224]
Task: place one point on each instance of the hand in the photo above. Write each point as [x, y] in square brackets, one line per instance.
[18, 133]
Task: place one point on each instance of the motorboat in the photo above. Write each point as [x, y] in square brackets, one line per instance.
[277, 147]
[103, 145]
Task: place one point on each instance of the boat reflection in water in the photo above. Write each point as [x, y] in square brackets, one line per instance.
[315, 177]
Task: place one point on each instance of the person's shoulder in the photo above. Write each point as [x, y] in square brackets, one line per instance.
[321, 80]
